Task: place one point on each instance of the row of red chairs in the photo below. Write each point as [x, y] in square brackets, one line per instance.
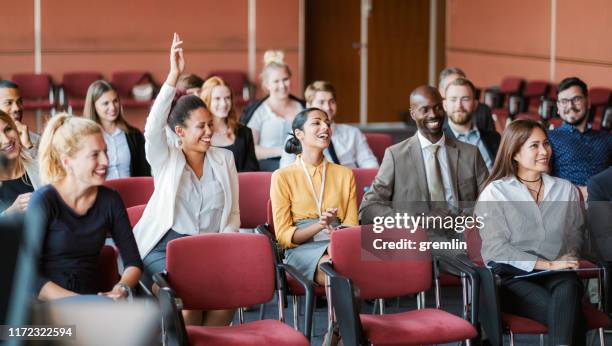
[40, 93]
[521, 99]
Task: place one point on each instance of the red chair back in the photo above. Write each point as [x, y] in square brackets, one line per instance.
[108, 271]
[76, 83]
[599, 96]
[270, 217]
[124, 81]
[221, 270]
[254, 190]
[474, 245]
[363, 180]
[378, 142]
[512, 85]
[378, 278]
[133, 190]
[33, 86]
[135, 213]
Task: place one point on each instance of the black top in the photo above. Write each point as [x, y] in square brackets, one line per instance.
[483, 118]
[11, 189]
[244, 149]
[72, 242]
[139, 167]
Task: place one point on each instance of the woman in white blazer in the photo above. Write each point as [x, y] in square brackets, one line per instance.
[196, 185]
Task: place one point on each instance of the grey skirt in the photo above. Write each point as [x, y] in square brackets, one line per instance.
[305, 257]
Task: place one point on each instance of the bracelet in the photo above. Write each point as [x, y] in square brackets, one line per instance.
[124, 286]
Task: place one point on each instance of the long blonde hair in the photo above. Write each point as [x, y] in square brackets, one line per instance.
[24, 157]
[62, 136]
[206, 95]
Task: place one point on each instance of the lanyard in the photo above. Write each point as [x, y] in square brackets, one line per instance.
[318, 201]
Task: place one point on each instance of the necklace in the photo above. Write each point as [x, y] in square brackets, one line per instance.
[537, 192]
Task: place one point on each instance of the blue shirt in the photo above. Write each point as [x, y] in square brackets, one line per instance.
[473, 138]
[578, 156]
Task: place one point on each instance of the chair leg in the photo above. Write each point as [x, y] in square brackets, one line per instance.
[241, 315]
[262, 311]
[296, 317]
[420, 300]
[281, 307]
[602, 339]
[511, 338]
[541, 339]
[381, 303]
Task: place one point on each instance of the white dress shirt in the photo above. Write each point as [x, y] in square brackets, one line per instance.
[118, 152]
[272, 128]
[199, 202]
[449, 189]
[517, 231]
[350, 145]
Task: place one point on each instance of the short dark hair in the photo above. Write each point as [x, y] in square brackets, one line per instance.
[573, 81]
[7, 84]
[449, 71]
[181, 111]
[463, 81]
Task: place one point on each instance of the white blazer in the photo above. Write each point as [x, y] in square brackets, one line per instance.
[167, 164]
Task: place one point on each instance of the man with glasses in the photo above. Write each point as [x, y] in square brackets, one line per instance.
[460, 106]
[579, 152]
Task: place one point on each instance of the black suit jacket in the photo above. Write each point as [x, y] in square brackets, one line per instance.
[139, 167]
[490, 139]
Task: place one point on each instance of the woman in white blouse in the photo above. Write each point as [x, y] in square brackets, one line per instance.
[196, 184]
[270, 119]
[533, 221]
[124, 143]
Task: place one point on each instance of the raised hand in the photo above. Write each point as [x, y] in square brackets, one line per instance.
[177, 60]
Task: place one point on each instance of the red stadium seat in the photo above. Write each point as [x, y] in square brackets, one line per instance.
[599, 99]
[133, 190]
[74, 89]
[353, 278]
[124, 82]
[363, 181]
[221, 271]
[108, 271]
[378, 142]
[135, 213]
[36, 90]
[534, 90]
[254, 189]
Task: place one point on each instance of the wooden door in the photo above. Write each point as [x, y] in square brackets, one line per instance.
[332, 51]
[398, 51]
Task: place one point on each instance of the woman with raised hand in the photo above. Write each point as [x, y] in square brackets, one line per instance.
[18, 171]
[124, 142]
[196, 184]
[270, 118]
[311, 197]
[78, 212]
[532, 222]
[229, 133]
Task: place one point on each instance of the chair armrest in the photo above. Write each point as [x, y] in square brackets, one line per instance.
[173, 324]
[328, 269]
[470, 273]
[346, 308]
[309, 296]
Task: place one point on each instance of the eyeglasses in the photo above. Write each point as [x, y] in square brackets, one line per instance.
[576, 100]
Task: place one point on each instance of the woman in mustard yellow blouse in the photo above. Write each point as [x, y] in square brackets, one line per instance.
[311, 197]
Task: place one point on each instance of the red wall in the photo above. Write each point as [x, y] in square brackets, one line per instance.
[115, 35]
[491, 39]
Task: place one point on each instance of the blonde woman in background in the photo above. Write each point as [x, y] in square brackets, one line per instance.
[270, 118]
[78, 212]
